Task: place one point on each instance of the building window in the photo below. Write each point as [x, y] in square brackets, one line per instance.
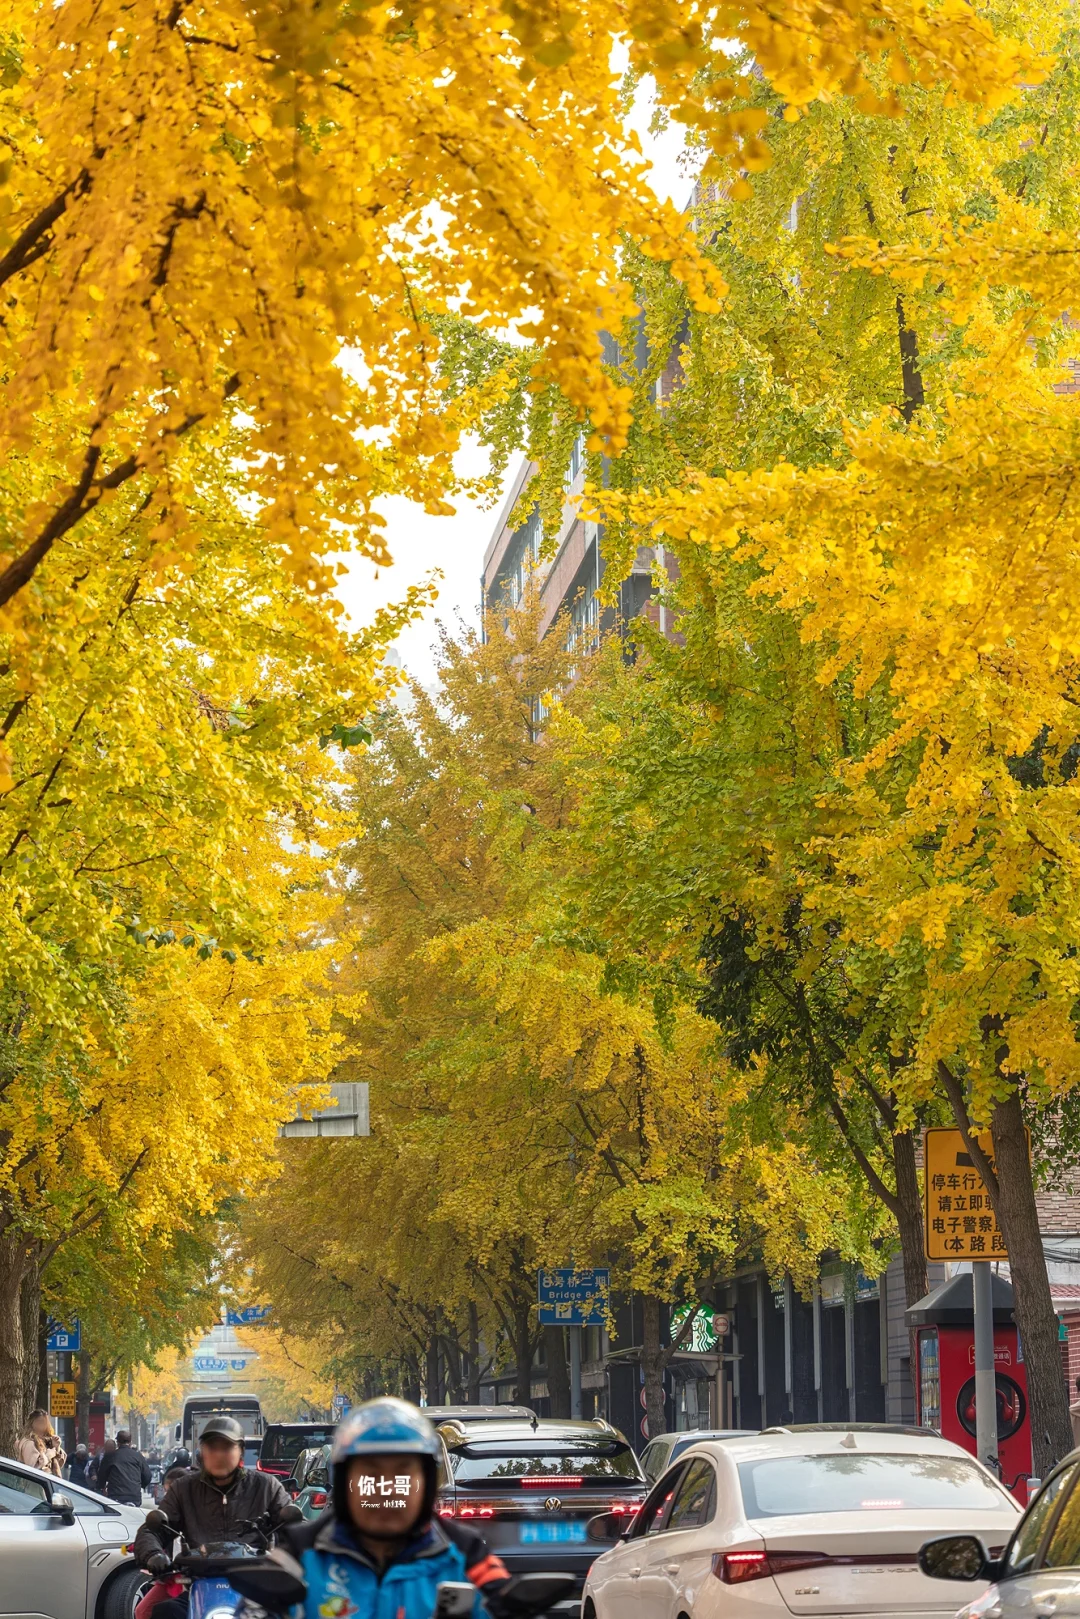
[577, 461]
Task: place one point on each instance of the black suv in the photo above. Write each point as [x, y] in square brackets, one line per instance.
[531, 1488]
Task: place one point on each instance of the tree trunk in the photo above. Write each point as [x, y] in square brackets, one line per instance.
[34, 1372]
[12, 1409]
[434, 1385]
[474, 1354]
[653, 1362]
[909, 1218]
[523, 1351]
[412, 1379]
[82, 1400]
[1051, 1431]
[558, 1372]
[452, 1362]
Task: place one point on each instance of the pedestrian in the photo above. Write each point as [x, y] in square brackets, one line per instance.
[78, 1464]
[125, 1474]
[1074, 1414]
[95, 1466]
[38, 1445]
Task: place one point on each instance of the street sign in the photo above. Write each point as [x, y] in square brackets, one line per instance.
[64, 1340]
[350, 1115]
[339, 1405]
[247, 1317]
[959, 1220]
[62, 1399]
[573, 1298]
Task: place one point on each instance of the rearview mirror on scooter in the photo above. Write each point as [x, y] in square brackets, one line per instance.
[268, 1584]
[528, 1594]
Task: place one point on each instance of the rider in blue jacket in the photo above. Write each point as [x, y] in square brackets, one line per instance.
[381, 1553]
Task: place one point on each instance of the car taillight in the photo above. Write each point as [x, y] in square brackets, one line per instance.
[627, 1507]
[318, 1498]
[735, 1568]
[550, 1481]
[476, 1512]
[445, 1509]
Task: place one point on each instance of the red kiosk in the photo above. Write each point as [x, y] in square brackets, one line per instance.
[945, 1375]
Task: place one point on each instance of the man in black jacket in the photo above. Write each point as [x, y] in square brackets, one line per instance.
[218, 1502]
[125, 1473]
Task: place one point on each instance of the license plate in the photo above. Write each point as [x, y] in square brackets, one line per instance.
[552, 1534]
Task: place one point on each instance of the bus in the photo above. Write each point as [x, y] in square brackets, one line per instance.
[199, 1408]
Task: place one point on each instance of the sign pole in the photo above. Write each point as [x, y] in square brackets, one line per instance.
[986, 1439]
[575, 1371]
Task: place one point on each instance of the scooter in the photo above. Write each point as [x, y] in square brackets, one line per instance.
[207, 1573]
[272, 1589]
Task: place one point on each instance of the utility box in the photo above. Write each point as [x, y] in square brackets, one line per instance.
[944, 1327]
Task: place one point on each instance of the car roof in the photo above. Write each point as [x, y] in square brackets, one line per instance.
[542, 1429]
[877, 1441]
[270, 1426]
[692, 1435]
[479, 1413]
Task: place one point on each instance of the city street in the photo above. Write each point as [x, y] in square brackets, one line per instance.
[540, 892]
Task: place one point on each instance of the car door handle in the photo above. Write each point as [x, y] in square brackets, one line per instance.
[634, 1572]
[671, 1568]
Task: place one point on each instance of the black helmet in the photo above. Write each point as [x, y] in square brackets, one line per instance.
[223, 1428]
[182, 1458]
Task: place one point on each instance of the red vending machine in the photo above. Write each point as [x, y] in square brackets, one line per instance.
[945, 1374]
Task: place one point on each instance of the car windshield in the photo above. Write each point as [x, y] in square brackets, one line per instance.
[782, 1486]
[607, 1458]
[282, 1446]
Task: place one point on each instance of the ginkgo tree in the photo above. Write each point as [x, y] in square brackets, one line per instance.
[862, 467]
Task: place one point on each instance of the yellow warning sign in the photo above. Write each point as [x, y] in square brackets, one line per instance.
[960, 1221]
[62, 1399]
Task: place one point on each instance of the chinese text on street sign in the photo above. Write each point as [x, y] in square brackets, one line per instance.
[960, 1223]
[62, 1399]
[573, 1298]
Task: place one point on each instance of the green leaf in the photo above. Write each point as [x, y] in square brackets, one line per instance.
[346, 736]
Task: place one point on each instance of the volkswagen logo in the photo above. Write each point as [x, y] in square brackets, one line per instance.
[552, 1504]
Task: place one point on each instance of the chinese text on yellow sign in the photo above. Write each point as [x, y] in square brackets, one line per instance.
[960, 1222]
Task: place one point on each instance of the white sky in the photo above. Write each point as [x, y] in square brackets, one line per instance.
[455, 545]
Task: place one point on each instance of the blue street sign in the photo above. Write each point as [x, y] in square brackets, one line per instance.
[573, 1298]
[64, 1340]
[247, 1317]
[339, 1405]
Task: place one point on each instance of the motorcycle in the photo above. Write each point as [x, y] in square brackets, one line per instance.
[206, 1574]
[273, 1590]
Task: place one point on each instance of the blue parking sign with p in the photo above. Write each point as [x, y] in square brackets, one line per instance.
[64, 1340]
[573, 1298]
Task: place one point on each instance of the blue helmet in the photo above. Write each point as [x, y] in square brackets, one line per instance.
[385, 1427]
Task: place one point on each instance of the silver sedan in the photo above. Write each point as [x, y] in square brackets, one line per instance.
[1038, 1575]
[65, 1553]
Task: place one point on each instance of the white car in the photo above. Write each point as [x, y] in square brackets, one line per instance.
[796, 1523]
[65, 1552]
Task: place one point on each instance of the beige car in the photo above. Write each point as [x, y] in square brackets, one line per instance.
[65, 1553]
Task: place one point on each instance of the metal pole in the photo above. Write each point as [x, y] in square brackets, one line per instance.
[575, 1371]
[985, 1382]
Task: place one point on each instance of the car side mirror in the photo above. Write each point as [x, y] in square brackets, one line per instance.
[954, 1557]
[62, 1506]
[607, 1527]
